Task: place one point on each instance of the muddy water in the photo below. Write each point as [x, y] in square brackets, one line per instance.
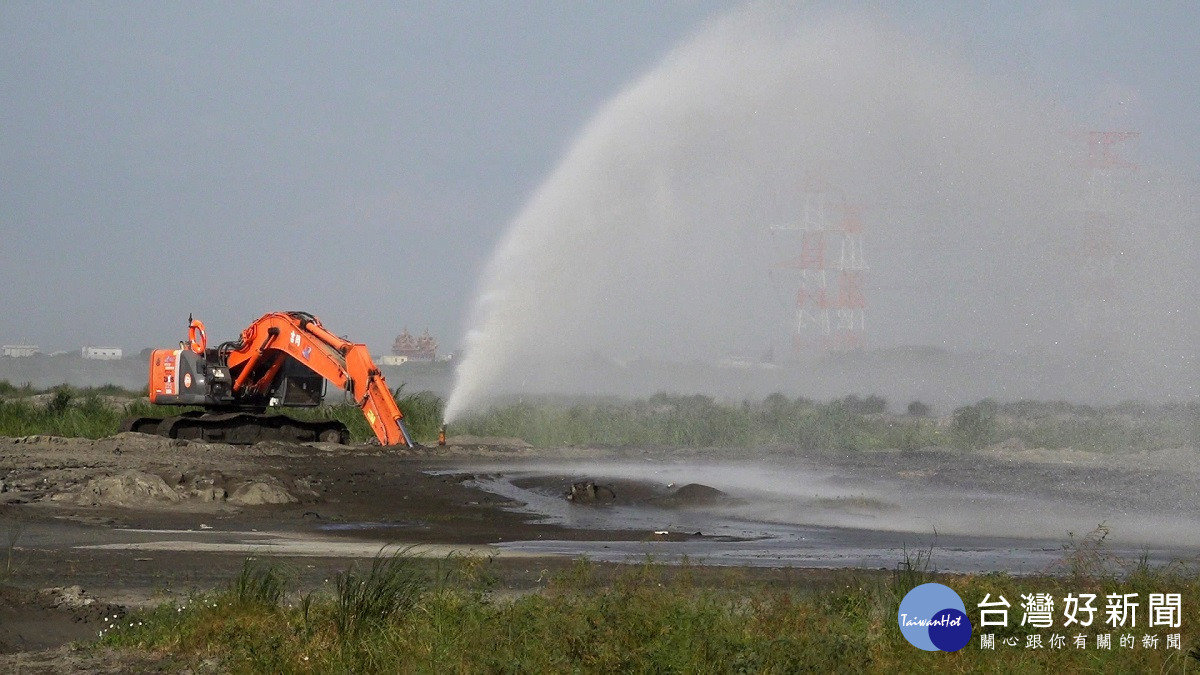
[979, 512]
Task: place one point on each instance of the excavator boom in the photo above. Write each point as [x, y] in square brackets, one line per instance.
[346, 364]
[283, 358]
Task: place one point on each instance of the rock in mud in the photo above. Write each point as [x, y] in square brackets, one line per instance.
[587, 492]
[205, 487]
[66, 597]
[131, 488]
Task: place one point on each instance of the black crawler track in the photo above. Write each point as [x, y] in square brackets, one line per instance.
[239, 428]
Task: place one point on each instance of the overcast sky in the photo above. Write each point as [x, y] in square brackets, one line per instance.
[360, 160]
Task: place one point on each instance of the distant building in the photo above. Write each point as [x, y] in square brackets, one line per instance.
[101, 353]
[392, 360]
[18, 351]
[422, 348]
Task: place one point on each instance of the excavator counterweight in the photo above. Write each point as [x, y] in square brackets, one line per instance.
[284, 359]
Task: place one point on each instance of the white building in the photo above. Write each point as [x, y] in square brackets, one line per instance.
[20, 350]
[392, 360]
[101, 353]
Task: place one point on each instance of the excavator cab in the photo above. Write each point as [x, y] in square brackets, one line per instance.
[297, 386]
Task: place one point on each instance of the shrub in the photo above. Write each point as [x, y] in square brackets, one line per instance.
[973, 426]
[422, 413]
[919, 409]
[871, 405]
[61, 400]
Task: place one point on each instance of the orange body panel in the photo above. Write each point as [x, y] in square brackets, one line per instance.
[163, 375]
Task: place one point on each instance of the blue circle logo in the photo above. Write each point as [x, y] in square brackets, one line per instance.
[932, 617]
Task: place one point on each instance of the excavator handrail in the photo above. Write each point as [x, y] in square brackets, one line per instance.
[347, 364]
[197, 338]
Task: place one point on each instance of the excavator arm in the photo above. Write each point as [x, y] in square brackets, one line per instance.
[261, 353]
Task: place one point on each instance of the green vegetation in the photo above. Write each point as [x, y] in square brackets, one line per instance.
[654, 618]
[258, 585]
[919, 409]
[849, 423]
[96, 412]
[390, 588]
[422, 414]
[974, 426]
[67, 412]
[9, 390]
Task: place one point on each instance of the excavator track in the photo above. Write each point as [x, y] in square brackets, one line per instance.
[239, 428]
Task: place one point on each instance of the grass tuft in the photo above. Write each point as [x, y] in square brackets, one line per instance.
[390, 586]
[912, 570]
[259, 585]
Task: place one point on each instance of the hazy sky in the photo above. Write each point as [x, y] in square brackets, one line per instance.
[361, 160]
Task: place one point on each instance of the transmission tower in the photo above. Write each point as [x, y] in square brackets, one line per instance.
[1105, 216]
[851, 304]
[829, 235]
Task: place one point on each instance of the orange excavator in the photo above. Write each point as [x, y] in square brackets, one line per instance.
[282, 359]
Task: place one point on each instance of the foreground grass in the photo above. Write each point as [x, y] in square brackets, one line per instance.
[653, 618]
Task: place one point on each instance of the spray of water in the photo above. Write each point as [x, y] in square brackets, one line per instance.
[653, 239]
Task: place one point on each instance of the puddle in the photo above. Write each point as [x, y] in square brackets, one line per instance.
[357, 526]
[869, 512]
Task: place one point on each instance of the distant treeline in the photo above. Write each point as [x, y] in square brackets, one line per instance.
[848, 423]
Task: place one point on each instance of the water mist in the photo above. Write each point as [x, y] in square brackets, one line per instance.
[653, 237]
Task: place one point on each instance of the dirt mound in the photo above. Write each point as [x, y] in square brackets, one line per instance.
[138, 441]
[259, 493]
[203, 490]
[695, 494]
[44, 440]
[131, 488]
